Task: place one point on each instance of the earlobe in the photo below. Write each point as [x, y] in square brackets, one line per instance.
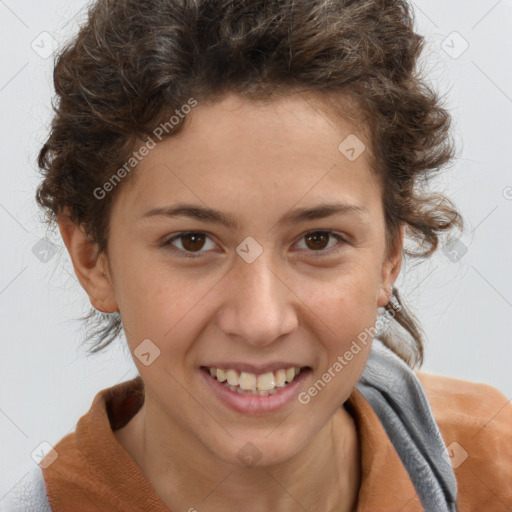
[91, 268]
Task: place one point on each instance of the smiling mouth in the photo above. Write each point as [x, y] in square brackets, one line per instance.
[247, 383]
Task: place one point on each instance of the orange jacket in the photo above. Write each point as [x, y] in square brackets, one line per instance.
[94, 472]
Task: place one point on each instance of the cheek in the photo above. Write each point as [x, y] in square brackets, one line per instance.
[162, 305]
[347, 304]
[144, 296]
[350, 312]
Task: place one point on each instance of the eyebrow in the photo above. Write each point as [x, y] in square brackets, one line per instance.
[210, 215]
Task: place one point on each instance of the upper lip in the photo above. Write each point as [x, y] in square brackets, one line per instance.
[255, 368]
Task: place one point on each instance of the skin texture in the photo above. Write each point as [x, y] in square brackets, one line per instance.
[256, 161]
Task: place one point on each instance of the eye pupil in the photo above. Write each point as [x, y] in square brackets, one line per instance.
[318, 237]
[197, 241]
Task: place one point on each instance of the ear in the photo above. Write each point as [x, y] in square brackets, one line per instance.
[390, 271]
[91, 269]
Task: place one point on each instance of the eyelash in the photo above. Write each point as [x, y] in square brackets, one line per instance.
[188, 254]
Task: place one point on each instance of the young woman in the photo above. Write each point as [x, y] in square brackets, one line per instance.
[234, 182]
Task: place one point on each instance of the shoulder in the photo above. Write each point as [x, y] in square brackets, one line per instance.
[28, 495]
[475, 421]
[465, 402]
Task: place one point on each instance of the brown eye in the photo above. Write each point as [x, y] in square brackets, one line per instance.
[189, 244]
[193, 241]
[321, 242]
[317, 240]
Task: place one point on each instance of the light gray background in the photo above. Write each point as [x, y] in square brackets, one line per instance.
[465, 306]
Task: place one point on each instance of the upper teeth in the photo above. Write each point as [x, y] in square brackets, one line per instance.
[252, 382]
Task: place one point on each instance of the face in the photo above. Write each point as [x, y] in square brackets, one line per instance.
[256, 275]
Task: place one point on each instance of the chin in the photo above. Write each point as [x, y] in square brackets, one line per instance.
[262, 448]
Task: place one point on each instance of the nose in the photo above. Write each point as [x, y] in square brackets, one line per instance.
[259, 306]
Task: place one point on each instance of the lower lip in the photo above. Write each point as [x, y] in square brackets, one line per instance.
[256, 404]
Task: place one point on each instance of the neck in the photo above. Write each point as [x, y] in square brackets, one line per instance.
[187, 476]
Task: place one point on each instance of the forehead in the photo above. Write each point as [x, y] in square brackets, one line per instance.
[283, 150]
[298, 119]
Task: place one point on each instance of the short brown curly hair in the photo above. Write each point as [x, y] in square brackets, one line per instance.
[134, 63]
